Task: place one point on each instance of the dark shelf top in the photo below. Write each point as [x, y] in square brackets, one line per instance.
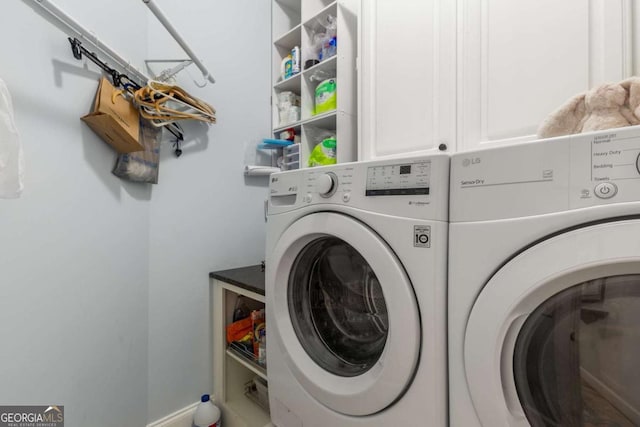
[250, 278]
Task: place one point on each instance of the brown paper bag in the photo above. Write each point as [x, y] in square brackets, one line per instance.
[115, 119]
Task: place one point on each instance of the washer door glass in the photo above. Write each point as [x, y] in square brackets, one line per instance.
[343, 313]
[576, 357]
[337, 307]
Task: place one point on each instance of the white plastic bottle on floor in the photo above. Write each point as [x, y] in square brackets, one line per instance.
[207, 414]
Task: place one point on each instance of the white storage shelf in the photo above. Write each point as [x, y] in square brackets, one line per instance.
[304, 19]
[311, 8]
[285, 16]
[289, 39]
[232, 370]
[291, 84]
[253, 367]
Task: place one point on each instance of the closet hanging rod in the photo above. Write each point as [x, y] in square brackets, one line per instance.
[117, 78]
[84, 34]
[153, 7]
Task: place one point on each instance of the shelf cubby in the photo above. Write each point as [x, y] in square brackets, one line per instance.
[342, 67]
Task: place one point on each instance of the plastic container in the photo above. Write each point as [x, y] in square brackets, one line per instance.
[325, 96]
[323, 153]
[290, 166]
[286, 67]
[207, 414]
[292, 149]
[329, 48]
[295, 60]
[293, 157]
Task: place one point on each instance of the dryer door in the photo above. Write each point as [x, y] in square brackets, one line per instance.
[345, 313]
[554, 337]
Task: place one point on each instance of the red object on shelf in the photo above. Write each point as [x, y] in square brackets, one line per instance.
[238, 330]
[288, 134]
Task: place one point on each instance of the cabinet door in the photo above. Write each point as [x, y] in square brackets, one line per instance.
[520, 60]
[407, 76]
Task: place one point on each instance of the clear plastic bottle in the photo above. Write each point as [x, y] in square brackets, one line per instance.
[295, 60]
[207, 414]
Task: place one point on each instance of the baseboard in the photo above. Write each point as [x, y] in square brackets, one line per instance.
[181, 418]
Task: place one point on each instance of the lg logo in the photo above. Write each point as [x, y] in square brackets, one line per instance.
[470, 161]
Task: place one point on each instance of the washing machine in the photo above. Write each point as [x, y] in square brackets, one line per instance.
[356, 294]
[544, 283]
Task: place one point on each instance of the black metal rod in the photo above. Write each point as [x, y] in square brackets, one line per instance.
[117, 77]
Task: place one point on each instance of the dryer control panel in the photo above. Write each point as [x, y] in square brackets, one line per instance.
[605, 167]
[546, 176]
[614, 160]
[414, 187]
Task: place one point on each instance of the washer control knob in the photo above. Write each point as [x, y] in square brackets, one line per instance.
[327, 184]
[605, 190]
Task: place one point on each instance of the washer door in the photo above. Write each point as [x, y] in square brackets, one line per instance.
[554, 337]
[345, 312]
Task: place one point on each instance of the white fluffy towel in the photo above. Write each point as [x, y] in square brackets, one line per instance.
[11, 156]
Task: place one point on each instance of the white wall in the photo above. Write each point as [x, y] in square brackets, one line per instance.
[104, 294]
[204, 215]
[73, 258]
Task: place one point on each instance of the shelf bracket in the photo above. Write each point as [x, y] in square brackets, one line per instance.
[153, 7]
[167, 75]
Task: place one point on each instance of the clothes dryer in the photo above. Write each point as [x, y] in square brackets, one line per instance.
[544, 283]
[356, 294]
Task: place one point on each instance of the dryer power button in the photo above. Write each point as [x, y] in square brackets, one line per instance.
[605, 190]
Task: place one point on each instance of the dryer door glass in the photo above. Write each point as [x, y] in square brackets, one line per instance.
[337, 308]
[576, 357]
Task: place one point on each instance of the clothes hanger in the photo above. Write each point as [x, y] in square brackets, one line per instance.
[153, 98]
[165, 103]
[130, 86]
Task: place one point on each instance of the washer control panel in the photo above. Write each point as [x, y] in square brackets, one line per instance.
[403, 179]
[414, 187]
[322, 184]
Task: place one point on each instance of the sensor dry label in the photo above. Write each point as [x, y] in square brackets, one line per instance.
[422, 236]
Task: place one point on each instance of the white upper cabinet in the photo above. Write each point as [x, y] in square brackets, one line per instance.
[407, 76]
[520, 60]
[474, 72]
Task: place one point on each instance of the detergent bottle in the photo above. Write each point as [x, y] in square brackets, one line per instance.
[207, 414]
